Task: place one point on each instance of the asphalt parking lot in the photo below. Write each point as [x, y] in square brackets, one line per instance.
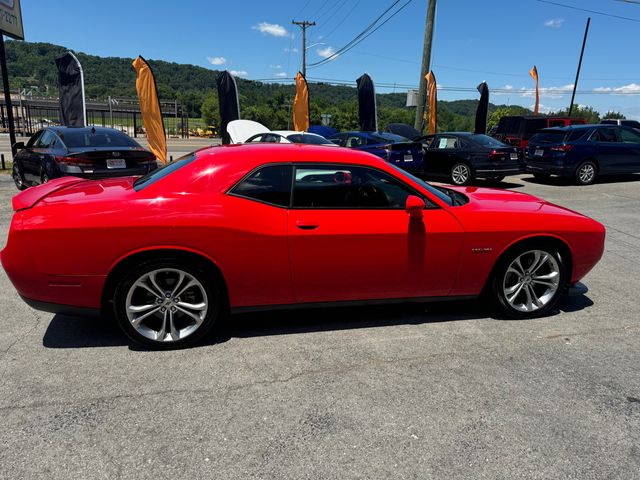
[439, 391]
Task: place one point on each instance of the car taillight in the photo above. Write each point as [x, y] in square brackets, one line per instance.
[74, 162]
[561, 148]
[146, 160]
[495, 154]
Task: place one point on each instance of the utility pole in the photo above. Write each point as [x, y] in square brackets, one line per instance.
[575, 84]
[304, 25]
[426, 63]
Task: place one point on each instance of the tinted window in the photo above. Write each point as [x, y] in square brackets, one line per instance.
[604, 135]
[548, 137]
[629, 136]
[446, 142]
[270, 184]
[383, 137]
[576, 134]
[609, 122]
[32, 141]
[486, 141]
[355, 141]
[45, 140]
[308, 139]
[339, 140]
[96, 138]
[630, 123]
[347, 186]
[162, 172]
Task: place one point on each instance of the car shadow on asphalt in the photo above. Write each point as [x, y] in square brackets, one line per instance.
[80, 332]
[564, 181]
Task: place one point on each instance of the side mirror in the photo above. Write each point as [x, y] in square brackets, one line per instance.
[18, 146]
[414, 207]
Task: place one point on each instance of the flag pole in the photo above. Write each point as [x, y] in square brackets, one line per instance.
[575, 84]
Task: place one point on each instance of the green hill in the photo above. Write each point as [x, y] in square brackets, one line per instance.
[32, 64]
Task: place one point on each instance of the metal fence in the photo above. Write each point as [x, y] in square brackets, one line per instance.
[32, 114]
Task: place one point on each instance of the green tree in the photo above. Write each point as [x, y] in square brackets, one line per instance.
[580, 111]
[614, 115]
[210, 110]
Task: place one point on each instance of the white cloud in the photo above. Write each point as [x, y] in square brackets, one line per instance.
[292, 50]
[631, 88]
[508, 87]
[547, 92]
[271, 29]
[217, 60]
[326, 52]
[277, 67]
[554, 22]
[238, 73]
[281, 74]
[542, 108]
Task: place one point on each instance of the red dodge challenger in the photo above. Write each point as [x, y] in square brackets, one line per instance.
[264, 226]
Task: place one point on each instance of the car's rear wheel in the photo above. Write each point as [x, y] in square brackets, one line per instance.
[528, 281]
[461, 174]
[168, 304]
[586, 173]
[17, 177]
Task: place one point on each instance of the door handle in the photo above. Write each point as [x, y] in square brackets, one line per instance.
[306, 227]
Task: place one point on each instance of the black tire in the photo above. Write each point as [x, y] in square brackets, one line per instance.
[543, 177]
[210, 291]
[586, 173]
[503, 276]
[461, 174]
[18, 179]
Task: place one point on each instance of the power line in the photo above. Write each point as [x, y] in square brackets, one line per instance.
[620, 17]
[364, 34]
[328, 20]
[343, 19]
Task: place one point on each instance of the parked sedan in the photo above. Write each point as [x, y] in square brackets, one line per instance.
[290, 136]
[390, 147]
[463, 157]
[267, 226]
[82, 152]
[584, 152]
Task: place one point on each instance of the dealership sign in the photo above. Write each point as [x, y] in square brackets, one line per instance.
[11, 19]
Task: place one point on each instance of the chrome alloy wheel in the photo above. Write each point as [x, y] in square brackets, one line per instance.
[460, 174]
[166, 305]
[531, 281]
[586, 173]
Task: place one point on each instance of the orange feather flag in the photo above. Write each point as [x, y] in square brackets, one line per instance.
[433, 102]
[150, 109]
[534, 74]
[301, 105]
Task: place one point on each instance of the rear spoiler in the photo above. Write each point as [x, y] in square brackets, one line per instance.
[33, 195]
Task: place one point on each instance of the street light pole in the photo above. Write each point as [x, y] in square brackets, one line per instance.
[304, 25]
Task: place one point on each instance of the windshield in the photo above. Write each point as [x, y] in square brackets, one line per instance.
[309, 139]
[96, 138]
[162, 172]
[548, 137]
[486, 141]
[430, 188]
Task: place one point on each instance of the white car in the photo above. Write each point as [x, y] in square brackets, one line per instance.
[248, 131]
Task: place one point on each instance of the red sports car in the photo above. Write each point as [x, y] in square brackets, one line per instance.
[263, 226]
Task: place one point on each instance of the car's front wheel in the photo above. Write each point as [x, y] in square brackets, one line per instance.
[461, 174]
[168, 304]
[17, 177]
[528, 281]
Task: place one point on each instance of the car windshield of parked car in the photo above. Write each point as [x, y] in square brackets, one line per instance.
[383, 137]
[547, 137]
[486, 141]
[430, 188]
[96, 138]
[152, 177]
[308, 139]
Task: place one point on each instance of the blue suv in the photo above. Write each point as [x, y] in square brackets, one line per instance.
[583, 152]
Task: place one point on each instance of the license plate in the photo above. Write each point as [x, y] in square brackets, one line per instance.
[539, 152]
[408, 158]
[116, 163]
[513, 156]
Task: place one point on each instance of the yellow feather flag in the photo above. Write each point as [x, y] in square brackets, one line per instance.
[534, 74]
[432, 92]
[150, 108]
[301, 105]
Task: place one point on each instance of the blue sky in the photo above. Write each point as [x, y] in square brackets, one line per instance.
[492, 40]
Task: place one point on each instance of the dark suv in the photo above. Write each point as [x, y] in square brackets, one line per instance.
[583, 152]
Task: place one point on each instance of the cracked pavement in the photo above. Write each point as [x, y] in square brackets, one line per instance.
[432, 391]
